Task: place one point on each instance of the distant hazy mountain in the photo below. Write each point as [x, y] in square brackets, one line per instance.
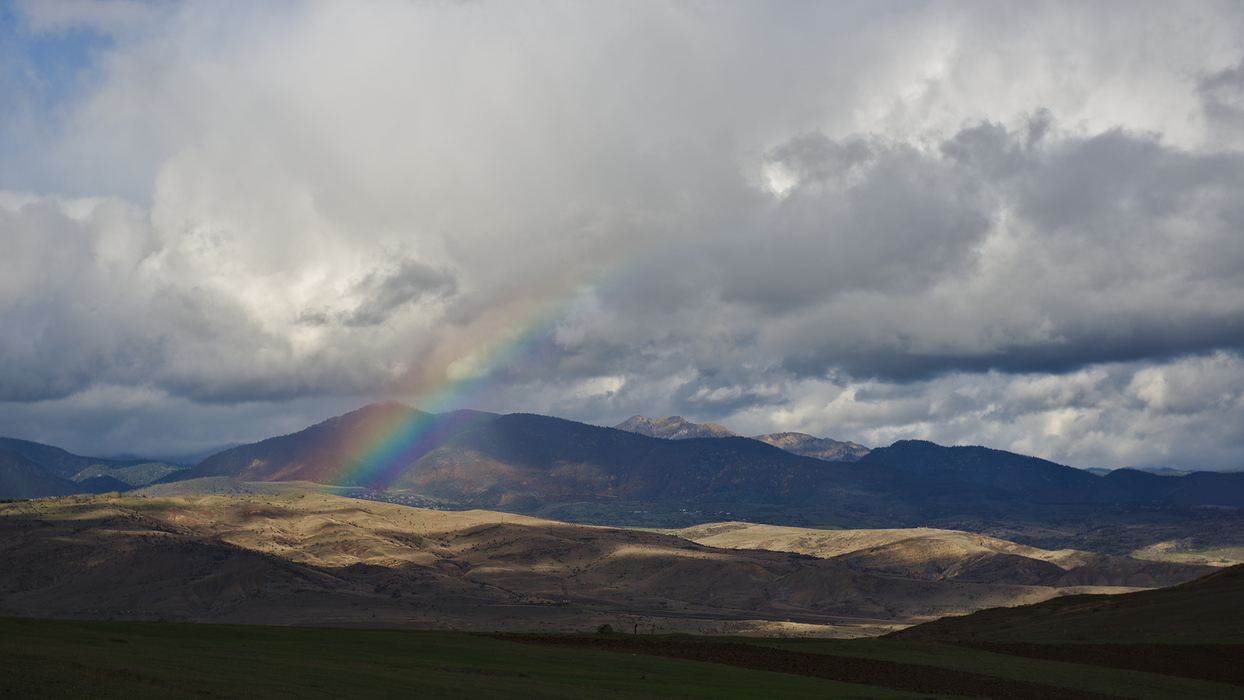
[84, 474]
[127, 477]
[673, 428]
[59, 462]
[523, 457]
[679, 428]
[102, 484]
[810, 446]
[1162, 471]
[181, 460]
[1019, 475]
[1036, 480]
[328, 452]
[484, 459]
[527, 462]
[22, 478]
[1165, 471]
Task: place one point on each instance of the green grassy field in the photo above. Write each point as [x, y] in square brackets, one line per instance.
[1108, 681]
[132, 660]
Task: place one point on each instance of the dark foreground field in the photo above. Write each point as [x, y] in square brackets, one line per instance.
[42, 658]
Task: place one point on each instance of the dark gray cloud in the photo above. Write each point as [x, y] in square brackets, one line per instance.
[726, 393]
[385, 294]
[1028, 253]
[1222, 97]
[60, 332]
[381, 294]
[860, 215]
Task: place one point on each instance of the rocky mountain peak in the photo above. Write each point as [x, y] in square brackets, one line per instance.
[811, 446]
[673, 428]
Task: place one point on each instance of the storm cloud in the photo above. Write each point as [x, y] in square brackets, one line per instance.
[1013, 225]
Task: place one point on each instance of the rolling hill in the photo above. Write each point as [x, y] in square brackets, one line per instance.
[306, 558]
[1208, 609]
[57, 461]
[944, 555]
[61, 472]
[22, 478]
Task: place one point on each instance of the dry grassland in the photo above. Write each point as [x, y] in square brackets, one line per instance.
[313, 558]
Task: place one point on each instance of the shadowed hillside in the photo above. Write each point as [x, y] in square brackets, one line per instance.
[22, 478]
[524, 455]
[1209, 609]
[1040, 481]
[330, 452]
[55, 467]
[314, 558]
[60, 462]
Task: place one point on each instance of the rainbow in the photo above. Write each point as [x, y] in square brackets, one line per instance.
[518, 347]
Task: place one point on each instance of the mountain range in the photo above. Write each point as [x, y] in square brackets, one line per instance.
[810, 446]
[572, 471]
[484, 459]
[679, 428]
[1036, 480]
[61, 462]
[673, 428]
[34, 470]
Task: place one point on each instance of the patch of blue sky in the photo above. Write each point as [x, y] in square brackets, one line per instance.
[42, 74]
[48, 68]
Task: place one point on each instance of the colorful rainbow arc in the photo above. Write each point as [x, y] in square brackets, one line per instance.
[385, 448]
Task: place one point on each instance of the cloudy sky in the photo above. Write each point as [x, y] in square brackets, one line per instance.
[1019, 225]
